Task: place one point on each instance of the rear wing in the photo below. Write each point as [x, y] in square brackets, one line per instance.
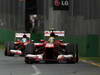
[20, 35]
[58, 33]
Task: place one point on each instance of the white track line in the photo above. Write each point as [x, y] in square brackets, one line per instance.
[37, 71]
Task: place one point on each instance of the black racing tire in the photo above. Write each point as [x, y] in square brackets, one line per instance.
[8, 47]
[69, 49]
[76, 53]
[30, 49]
[28, 61]
[75, 59]
[72, 49]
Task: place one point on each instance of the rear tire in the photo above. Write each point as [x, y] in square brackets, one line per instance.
[8, 47]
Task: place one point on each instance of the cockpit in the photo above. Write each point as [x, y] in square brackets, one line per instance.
[51, 40]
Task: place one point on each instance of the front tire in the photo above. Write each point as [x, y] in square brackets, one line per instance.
[72, 49]
[28, 61]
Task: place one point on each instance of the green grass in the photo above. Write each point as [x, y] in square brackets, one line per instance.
[94, 59]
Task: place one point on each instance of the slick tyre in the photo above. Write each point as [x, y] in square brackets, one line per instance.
[76, 53]
[28, 61]
[71, 49]
[8, 47]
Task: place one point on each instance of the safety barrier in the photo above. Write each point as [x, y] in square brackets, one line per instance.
[89, 46]
[6, 35]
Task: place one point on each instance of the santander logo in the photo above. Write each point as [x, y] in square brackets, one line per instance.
[57, 3]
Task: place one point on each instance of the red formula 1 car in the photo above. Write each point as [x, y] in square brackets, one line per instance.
[51, 51]
[17, 47]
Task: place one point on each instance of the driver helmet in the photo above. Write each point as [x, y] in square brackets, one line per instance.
[24, 39]
[24, 36]
[51, 39]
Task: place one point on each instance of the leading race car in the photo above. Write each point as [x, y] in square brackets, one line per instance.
[17, 47]
[51, 50]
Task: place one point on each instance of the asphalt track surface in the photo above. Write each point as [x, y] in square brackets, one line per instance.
[16, 66]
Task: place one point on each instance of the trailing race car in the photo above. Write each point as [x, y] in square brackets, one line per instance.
[17, 47]
[51, 50]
